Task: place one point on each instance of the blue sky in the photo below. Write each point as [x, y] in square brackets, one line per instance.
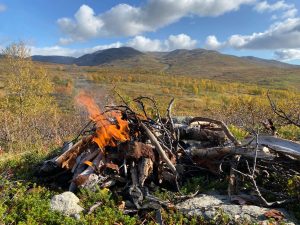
[263, 28]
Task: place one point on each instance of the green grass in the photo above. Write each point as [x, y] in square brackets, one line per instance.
[26, 203]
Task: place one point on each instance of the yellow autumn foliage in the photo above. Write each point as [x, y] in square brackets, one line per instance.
[29, 113]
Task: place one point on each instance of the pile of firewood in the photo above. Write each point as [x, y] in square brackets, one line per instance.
[132, 151]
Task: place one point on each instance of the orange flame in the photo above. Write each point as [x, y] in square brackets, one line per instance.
[110, 128]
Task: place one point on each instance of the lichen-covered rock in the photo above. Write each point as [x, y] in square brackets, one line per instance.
[66, 203]
[209, 206]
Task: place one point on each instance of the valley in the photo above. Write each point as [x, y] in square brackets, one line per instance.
[197, 63]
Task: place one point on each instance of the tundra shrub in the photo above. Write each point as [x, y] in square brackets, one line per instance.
[28, 113]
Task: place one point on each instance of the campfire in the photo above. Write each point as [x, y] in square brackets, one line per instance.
[130, 152]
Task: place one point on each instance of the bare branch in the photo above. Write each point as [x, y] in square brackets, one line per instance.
[282, 114]
[170, 117]
[221, 124]
[158, 147]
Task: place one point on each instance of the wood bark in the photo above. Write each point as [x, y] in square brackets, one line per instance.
[158, 148]
[68, 158]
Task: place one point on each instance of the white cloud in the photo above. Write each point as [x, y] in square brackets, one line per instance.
[212, 43]
[127, 20]
[141, 43]
[145, 44]
[86, 24]
[61, 51]
[53, 50]
[2, 7]
[291, 13]
[236, 41]
[180, 41]
[280, 35]
[287, 54]
[65, 41]
[286, 10]
[285, 34]
[265, 6]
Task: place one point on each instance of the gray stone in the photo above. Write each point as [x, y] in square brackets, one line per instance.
[77, 216]
[209, 206]
[66, 203]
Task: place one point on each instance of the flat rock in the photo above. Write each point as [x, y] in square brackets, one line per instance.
[209, 206]
[66, 203]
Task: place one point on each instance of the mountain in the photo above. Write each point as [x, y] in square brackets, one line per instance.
[107, 56]
[54, 59]
[196, 62]
[207, 58]
[268, 62]
[102, 57]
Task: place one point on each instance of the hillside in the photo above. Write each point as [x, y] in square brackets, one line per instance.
[267, 62]
[175, 59]
[67, 60]
[107, 56]
[198, 62]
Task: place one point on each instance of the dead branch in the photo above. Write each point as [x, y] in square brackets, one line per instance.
[251, 176]
[72, 152]
[158, 148]
[81, 177]
[280, 145]
[285, 151]
[221, 124]
[145, 168]
[170, 117]
[233, 179]
[264, 201]
[218, 152]
[212, 136]
[93, 207]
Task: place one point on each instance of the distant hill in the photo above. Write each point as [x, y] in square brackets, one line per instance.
[196, 62]
[196, 56]
[54, 59]
[107, 56]
[204, 59]
[268, 62]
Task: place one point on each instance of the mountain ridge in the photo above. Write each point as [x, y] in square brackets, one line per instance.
[57, 59]
[108, 55]
[198, 62]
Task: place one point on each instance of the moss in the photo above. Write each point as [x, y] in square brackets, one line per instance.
[25, 203]
[203, 184]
